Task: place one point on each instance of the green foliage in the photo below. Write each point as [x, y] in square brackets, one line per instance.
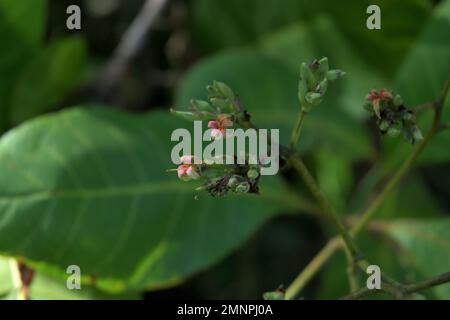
[62, 62]
[21, 30]
[220, 24]
[89, 185]
[420, 79]
[428, 244]
[90, 181]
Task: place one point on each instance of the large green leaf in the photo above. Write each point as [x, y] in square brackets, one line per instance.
[268, 90]
[221, 24]
[420, 80]
[50, 76]
[89, 187]
[428, 243]
[7, 282]
[22, 26]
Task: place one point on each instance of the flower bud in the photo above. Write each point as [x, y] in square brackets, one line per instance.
[307, 75]
[242, 187]
[201, 105]
[234, 181]
[393, 131]
[335, 74]
[417, 134]
[398, 100]
[224, 90]
[323, 67]
[384, 125]
[313, 98]
[322, 86]
[253, 173]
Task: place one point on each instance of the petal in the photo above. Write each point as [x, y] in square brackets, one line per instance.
[192, 173]
[182, 170]
[376, 107]
[212, 124]
[187, 159]
[216, 134]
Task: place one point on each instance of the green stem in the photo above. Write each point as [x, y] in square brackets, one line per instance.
[297, 130]
[310, 270]
[327, 251]
[407, 289]
[300, 167]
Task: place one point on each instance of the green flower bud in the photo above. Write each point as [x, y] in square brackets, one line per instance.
[223, 105]
[409, 117]
[307, 75]
[322, 86]
[393, 131]
[323, 67]
[201, 105]
[186, 115]
[302, 91]
[253, 173]
[224, 90]
[417, 134]
[313, 98]
[335, 74]
[384, 125]
[234, 181]
[398, 100]
[242, 187]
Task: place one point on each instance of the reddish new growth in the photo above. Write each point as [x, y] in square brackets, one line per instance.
[376, 97]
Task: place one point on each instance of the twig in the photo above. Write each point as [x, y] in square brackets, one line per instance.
[329, 248]
[323, 202]
[407, 289]
[130, 43]
[297, 129]
[17, 279]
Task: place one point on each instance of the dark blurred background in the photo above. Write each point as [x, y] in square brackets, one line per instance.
[170, 47]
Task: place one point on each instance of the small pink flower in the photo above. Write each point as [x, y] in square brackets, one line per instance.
[376, 98]
[219, 126]
[187, 170]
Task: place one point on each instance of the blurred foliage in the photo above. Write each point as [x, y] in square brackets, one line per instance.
[87, 184]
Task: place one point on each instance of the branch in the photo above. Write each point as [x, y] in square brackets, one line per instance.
[407, 289]
[130, 43]
[326, 252]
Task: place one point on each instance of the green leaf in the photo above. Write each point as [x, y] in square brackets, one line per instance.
[50, 76]
[401, 202]
[268, 90]
[27, 17]
[7, 290]
[22, 26]
[420, 80]
[89, 186]
[221, 24]
[44, 287]
[428, 243]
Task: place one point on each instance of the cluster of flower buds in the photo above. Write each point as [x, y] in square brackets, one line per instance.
[393, 117]
[241, 179]
[187, 170]
[314, 79]
[221, 111]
